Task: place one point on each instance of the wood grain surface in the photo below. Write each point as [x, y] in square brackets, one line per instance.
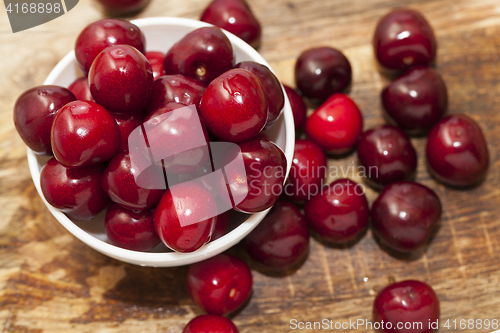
[51, 282]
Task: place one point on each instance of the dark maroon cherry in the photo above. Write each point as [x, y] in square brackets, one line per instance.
[416, 100]
[126, 124]
[121, 79]
[210, 324]
[308, 171]
[405, 214]
[131, 230]
[203, 54]
[84, 133]
[320, 72]
[387, 155]
[457, 153]
[411, 304]
[123, 7]
[76, 191]
[339, 213]
[103, 33]
[272, 88]
[281, 240]
[222, 225]
[404, 39]
[80, 88]
[236, 17]
[155, 59]
[34, 114]
[299, 108]
[175, 89]
[234, 106]
[220, 284]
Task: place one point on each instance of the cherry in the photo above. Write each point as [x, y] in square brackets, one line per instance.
[121, 79]
[155, 59]
[457, 153]
[210, 324]
[130, 230]
[175, 89]
[387, 155]
[272, 88]
[84, 133]
[236, 17]
[203, 54]
[76, 191]
[308, 170]
[103, 33]
[123, 7]
[80, 88]
[222, 225]
[416, 100]
[299, 108]
[405, 215]
[411, 303]
[220, 284]
[34, 114]
[281, 240]
[126, 124]
[403, 39]
[339, 213]
[320, 72]
[234, 106]
[185, 216]
[336, 125]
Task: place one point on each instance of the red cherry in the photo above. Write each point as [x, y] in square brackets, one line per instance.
[457, 153]
[203, 54]
[155, 59]
[234, 106]
[411, 304]
[281, 240]
[222, 225]
[103, 33]
[210, 324]
[123, 7]
[236, 17]
[220, 284]
[126, 124]
[76, 191]
[387, 155]
[121, 79]
[336, 125]
[299, 108]
[130, 230]
[339, 213]
[84, 133]
[308, 171]
[404, 39]
[80, 88]
[405, 215]
[34, 114]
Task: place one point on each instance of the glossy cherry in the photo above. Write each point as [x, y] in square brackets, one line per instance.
[299, 108]
[405, 214]
[84, 133]
[236, 17]
[336, 125]
[121, 79]
[409, 302]
[222, 225]
[210, 324]
[155, 59]
[457, 153]
[281, 240]
[272, 88]
[234, 106]
[34, 114]
[185, 216]
[103, 33]
[203, 54]
[387, 155]
[76, 191]
[308, 171]
[80, 88]
[403, 39]
[123, 7]
[339, 213]
[220, 284]
[126, 124]
[321, 72]
[416, 100]
[131, 230]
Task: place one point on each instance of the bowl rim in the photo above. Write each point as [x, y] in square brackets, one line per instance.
[166, 259]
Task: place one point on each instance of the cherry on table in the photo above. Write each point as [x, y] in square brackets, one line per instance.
[123, 7]
[80, 88]
[155, 59]
[299, 108]
[210, 324]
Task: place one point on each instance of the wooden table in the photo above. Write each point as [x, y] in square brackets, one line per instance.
[51, 282]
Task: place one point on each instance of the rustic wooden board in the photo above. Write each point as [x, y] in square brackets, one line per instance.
[50, 282]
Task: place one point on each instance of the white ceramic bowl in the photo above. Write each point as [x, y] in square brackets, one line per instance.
[161, 33]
